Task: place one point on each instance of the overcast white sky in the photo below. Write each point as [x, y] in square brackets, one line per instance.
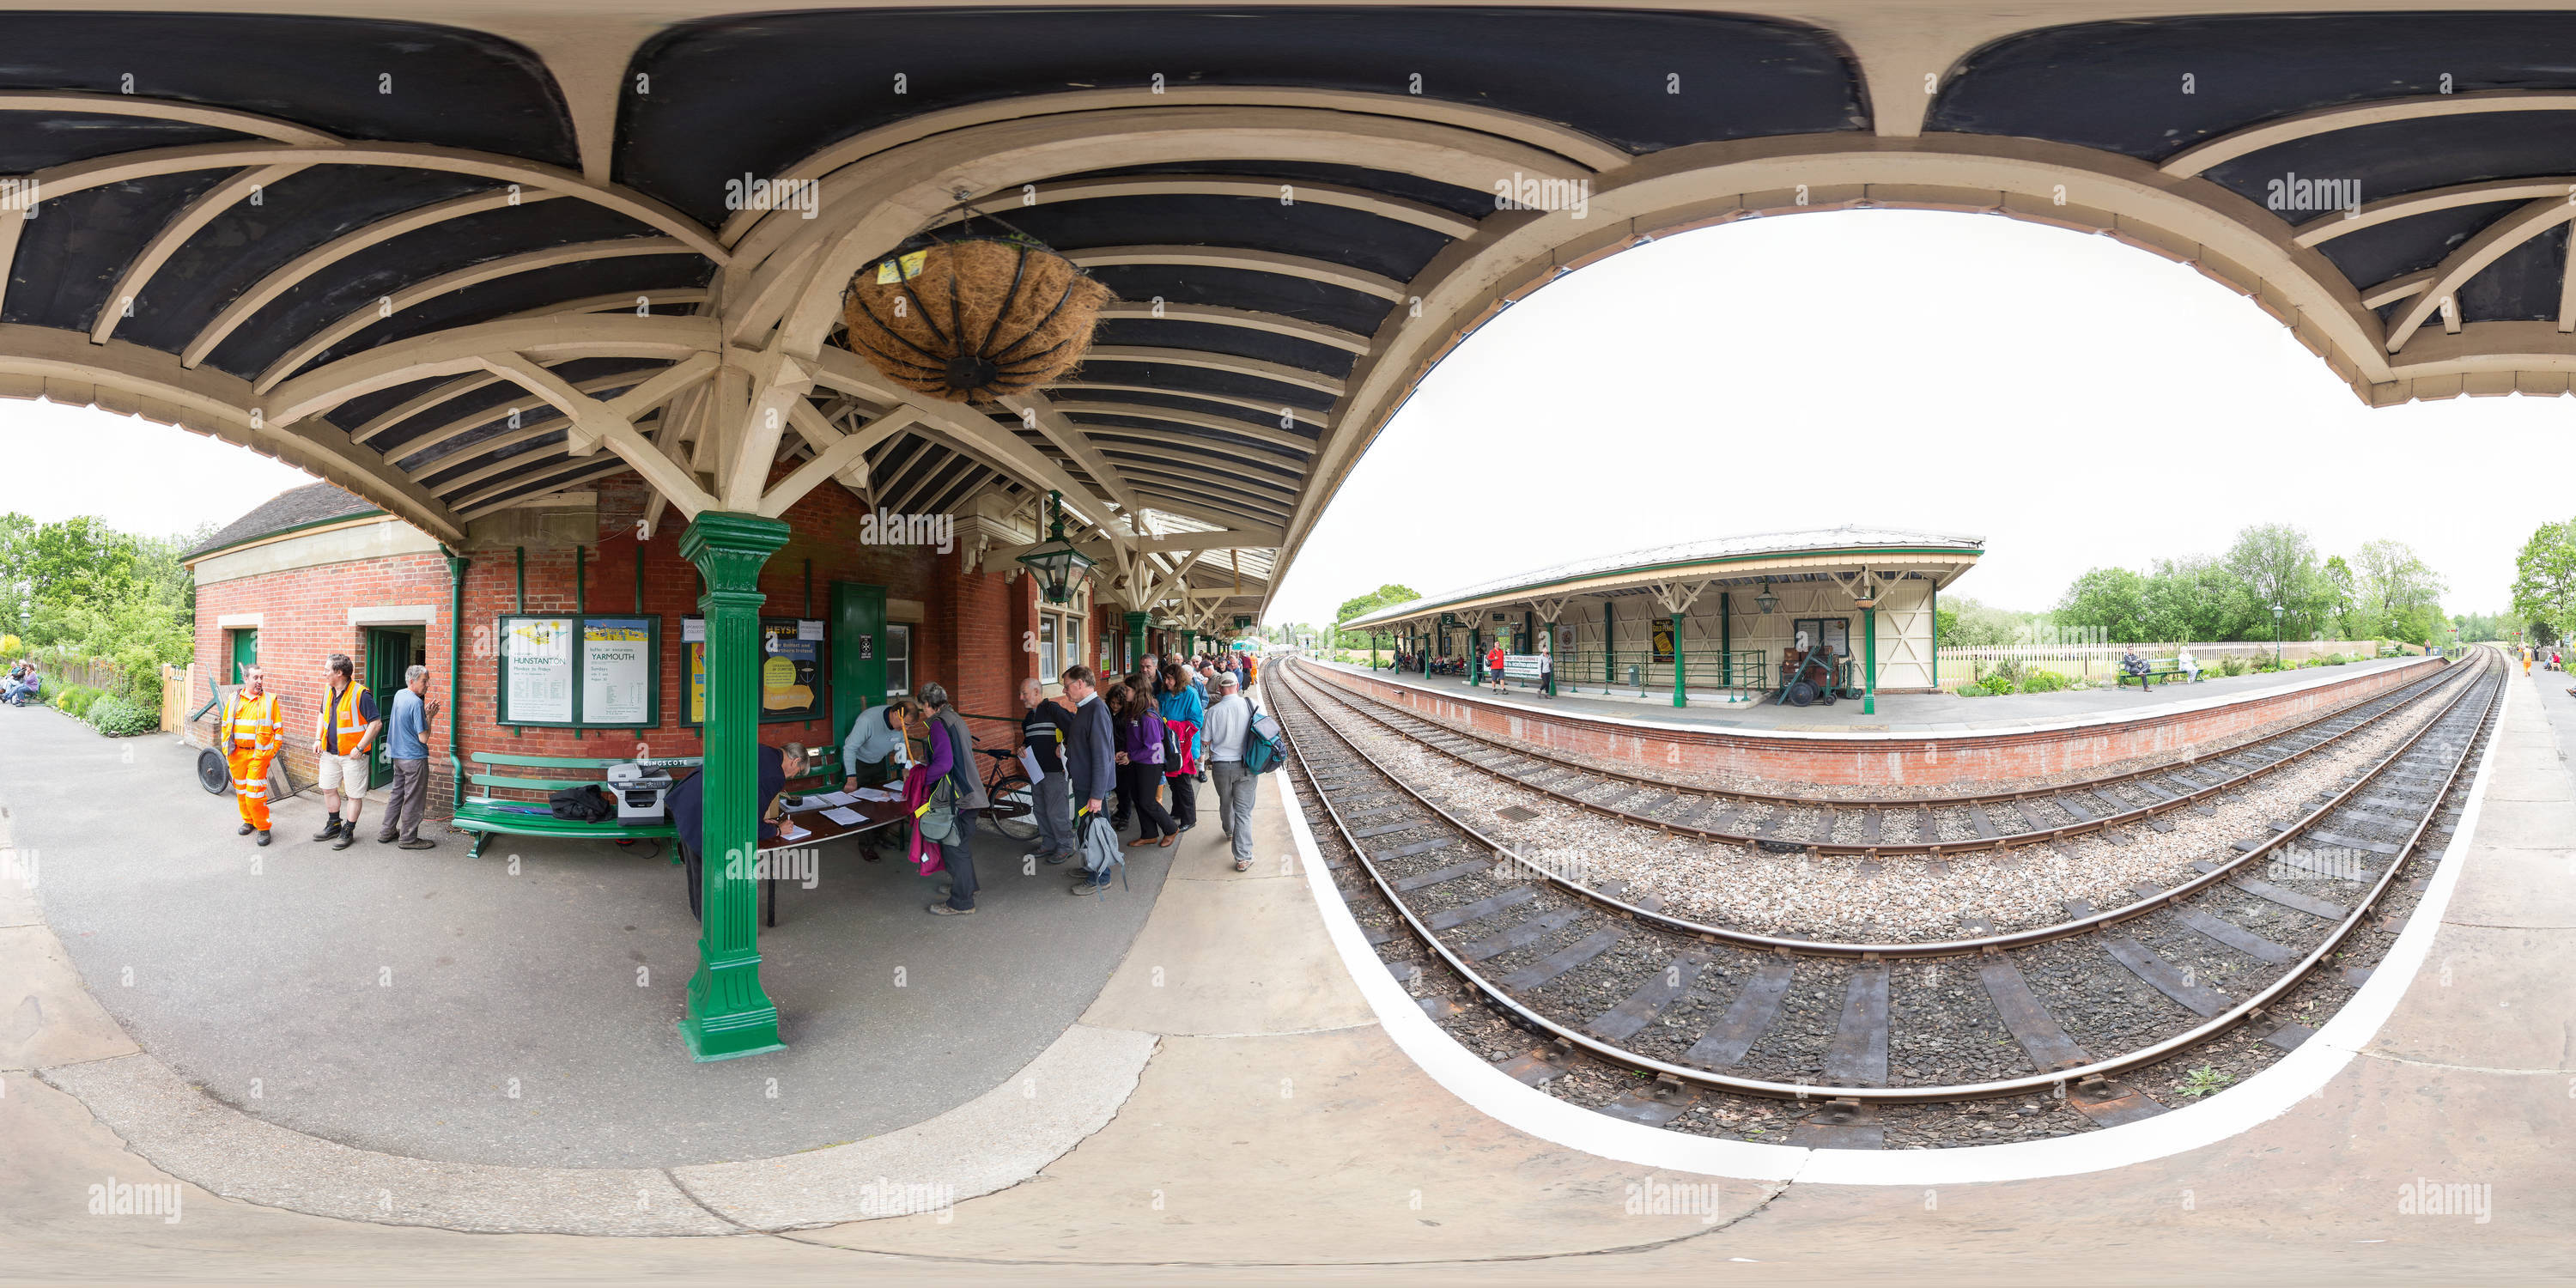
[1954, 373]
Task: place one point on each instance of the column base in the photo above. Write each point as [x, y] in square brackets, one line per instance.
[730, 1041]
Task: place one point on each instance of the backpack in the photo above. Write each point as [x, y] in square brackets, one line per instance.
[1097, 842]
[583, 804]
[938, 813]
[1262, 750]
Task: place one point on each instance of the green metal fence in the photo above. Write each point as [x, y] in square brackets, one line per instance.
[1743, 668]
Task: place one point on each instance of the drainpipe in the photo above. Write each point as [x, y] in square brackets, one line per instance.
[455, 661]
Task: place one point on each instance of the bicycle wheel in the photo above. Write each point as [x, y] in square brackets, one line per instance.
[1014, 809]
[213, 774]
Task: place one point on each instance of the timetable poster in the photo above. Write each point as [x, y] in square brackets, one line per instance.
[791, 672]
[617, 671]
[536, 670]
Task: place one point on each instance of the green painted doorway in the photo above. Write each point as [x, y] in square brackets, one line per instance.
[390, 653]
[245, 651]
[858, 648]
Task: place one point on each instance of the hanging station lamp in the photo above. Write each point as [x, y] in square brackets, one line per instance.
[1867, 595]
[1766, 601]
[1059, 567]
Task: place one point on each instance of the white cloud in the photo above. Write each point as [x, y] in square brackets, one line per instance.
[2075, 401]
[58, 461]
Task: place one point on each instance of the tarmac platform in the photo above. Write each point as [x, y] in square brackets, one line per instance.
[1249, 1097]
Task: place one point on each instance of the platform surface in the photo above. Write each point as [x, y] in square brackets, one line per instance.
[1897, 713]
[1278, 1132]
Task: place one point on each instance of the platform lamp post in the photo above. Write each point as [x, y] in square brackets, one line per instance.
[2276, 637]
[1867, 602]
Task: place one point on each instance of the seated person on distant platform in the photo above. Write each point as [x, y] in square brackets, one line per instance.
[2132, 664]
[877, 739]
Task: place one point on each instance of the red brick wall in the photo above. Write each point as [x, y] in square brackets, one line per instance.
[974, 640]
[304, 619]
[1883, 758]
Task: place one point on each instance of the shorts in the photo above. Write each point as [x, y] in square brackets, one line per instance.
[344, 774]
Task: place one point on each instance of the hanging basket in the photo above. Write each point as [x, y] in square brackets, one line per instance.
[974, 318]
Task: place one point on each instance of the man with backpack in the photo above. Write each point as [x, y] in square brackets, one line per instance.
[1229, 723]
[1091, 766]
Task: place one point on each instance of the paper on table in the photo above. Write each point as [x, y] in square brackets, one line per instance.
[791, 832]
[844, 817]
[874, 794]
[824, 799]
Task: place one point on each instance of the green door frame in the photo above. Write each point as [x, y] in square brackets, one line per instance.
[389, 654]
[857, 638]
[244, 641]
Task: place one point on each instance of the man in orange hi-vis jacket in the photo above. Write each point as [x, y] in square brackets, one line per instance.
[250, 736]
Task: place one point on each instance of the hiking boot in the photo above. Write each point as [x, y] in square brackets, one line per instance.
[418, 843]
[348, 836]
[384, 838]
[943, 910]
[1087, 887]
[329, 832]
[243, 830]
[263, 836]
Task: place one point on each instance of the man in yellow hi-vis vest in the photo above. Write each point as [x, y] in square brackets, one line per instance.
[342, 732]
[251, 733]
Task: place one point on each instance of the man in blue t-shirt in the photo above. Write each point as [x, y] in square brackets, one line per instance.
[407, 746]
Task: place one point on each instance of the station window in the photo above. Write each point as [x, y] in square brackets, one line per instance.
[1047, 668]
[898, 659]
[1059, 644]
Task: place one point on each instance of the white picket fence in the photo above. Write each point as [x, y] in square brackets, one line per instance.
[1962, 664]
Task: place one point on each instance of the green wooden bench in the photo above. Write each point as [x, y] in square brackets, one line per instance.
[488, 815]
[2166, 669]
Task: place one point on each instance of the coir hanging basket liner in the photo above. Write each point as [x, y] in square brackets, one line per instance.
[973, 319]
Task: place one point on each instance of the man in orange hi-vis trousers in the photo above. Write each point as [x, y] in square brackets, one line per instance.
[250, 735]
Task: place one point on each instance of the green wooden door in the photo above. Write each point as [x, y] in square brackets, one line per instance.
[389, 654]
[245, 652]
[858, 648]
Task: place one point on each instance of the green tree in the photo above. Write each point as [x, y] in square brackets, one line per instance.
[2278, 564]
[2398, 595]
[2544, 578]
[2110, 600]
[1386, 596]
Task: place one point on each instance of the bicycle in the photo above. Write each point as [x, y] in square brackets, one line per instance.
[1014, 808]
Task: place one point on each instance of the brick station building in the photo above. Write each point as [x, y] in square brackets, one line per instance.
[316, 570]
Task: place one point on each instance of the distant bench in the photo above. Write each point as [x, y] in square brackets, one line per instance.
[2166, 669]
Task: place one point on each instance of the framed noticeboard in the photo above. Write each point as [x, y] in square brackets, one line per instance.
[793, 663]
[580, 672]
[1663, 641]
[1829, 632]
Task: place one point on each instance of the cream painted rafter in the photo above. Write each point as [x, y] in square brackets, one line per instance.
[304, 266]
[1252, 261]
[2489, 245]
[1086, 389]
[2307, 125]
[1247, 319]
[186, 224]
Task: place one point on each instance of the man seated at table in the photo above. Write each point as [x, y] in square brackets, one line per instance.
[687, 805]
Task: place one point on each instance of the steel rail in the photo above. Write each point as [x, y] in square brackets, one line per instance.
[2056, 1079]
[1907, 802]
[2037, 836]
[1924, 949]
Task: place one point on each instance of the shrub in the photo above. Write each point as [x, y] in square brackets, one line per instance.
[118, 718]
[75, 700]
[2043, 681]
[2232, 665]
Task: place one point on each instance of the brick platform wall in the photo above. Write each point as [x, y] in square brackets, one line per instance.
[304, 616]
[1875, 759]
[975, 641]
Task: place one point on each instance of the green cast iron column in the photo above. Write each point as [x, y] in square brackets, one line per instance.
[1189, 643]
[1680, 699]
[1476, 650]
[1936, 637]
[1725, 641]
[729, 1014]
[1869, 660]
[1135, 640]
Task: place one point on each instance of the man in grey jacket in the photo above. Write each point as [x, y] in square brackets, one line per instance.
[1090, 761]
[1228, 719]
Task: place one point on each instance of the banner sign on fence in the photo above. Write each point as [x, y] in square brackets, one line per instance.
[1521, 666]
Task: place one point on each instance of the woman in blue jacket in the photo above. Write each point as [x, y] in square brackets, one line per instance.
[1180, 702]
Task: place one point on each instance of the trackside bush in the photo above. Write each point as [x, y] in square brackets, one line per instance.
[2042, 681]
[118, 718]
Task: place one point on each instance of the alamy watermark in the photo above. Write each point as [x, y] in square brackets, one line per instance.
[804, 196]
[934, 1199]
[18, 864]
[883, 527]
[150, 1198]
[2290, 192]
[1529, 192]
[1651, 1197]
[2424, 1196]
[21, 193]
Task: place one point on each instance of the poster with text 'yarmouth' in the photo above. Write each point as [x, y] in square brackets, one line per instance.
[616, 671]
[536, 669]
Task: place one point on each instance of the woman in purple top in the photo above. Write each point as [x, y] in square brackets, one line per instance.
[1140, 764]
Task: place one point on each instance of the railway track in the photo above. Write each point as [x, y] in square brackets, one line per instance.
[1850, 1030]
[1923, 825]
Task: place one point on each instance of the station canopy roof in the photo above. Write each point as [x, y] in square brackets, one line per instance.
[480, 254]
[1748, 559]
